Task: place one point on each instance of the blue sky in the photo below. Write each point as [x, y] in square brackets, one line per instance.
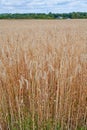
[42, 6]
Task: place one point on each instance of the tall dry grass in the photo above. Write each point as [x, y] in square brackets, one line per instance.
[43, 75]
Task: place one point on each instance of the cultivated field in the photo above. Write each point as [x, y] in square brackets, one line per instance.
[43, 75]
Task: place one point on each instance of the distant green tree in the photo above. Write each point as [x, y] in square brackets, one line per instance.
[73, 15]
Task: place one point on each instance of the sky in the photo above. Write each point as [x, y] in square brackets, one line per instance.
[42, 6]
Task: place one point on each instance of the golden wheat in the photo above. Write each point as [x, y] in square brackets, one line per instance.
[43, 74]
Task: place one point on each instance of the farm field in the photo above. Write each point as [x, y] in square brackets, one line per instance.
[43, 74]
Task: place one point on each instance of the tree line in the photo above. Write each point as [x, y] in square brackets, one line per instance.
[73, 15]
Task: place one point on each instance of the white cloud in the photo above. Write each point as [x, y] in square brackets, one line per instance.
[26, 6]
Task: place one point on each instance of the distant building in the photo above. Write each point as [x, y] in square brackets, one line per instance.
[68, 18]
[59, 17]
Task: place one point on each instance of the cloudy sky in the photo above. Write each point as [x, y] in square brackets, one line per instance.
[42, 6]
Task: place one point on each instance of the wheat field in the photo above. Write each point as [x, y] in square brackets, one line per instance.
[43, 75]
